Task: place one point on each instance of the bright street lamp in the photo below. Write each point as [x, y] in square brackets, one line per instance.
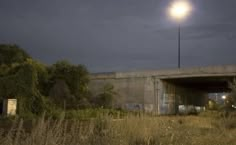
[179, 10]
[223, 97]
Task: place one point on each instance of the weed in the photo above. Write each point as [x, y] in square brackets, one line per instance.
[129, 130]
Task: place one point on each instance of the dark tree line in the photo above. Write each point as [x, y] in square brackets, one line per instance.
[38, 87]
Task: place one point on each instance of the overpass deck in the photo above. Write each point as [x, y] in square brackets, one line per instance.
[227, 70]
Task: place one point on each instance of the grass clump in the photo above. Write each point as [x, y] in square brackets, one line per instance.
[128, 130]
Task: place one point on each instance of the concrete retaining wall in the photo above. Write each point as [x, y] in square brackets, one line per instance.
[148, 90]
[133, 93]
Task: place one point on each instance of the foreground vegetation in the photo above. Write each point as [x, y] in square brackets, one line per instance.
[130, 130]
[42, 88]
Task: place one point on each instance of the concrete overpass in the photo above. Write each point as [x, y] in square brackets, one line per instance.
[162, 91]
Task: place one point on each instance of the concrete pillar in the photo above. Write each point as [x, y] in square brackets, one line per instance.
[149, 95]
[155, 87]
[160, 99]
[166, 98]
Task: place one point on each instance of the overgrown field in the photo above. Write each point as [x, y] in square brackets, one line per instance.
[130, 130]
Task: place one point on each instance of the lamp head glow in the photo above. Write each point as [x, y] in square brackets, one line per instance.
[180, 9]
[224, 97]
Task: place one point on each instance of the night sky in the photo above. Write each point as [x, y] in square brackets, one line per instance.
[120, 35]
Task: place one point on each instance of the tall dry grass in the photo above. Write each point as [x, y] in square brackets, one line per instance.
[131, 130]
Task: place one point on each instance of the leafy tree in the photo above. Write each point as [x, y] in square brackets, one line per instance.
[75, 80]
[231, 98]
[60, 93]
[10, 54]
[23, 85]
[42, 77]
[29, 81]
[106, 97]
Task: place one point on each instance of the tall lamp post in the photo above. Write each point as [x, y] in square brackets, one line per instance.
[179, 10]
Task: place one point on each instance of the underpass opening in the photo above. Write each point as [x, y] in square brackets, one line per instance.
[193, 92]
